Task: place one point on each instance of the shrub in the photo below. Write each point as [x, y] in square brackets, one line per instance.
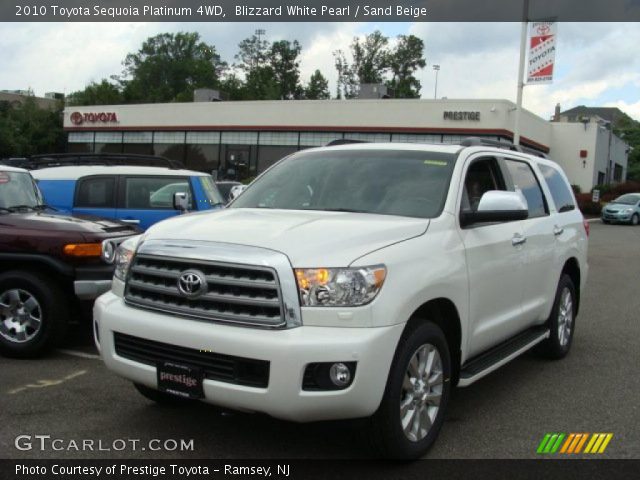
[586, 206]
[576, 189]
[614, 191]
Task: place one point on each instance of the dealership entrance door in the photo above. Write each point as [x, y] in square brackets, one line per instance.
[237, 163]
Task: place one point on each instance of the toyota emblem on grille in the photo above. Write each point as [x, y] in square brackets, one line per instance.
[192, 283]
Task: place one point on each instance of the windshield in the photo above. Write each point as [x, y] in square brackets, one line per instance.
[211, 191]
[18, 189]
[410, 183]
[628, 199]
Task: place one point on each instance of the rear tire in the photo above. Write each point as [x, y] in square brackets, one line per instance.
[34, 314]
[416, 396]
[562, 321]
[161, 398]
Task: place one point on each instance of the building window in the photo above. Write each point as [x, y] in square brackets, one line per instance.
[318, 139]
[80, 137]
[617, 173]
[278, 138]
[600, 178]
[137, 137]
[202, 157]
[415, 138]
[137, 143]
[369, 137]
[268, 155]
[168, 137]
[203, 138]
[240, 138]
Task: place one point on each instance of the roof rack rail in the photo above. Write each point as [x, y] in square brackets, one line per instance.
[488, 142]
[68, 159]
[478, 141]
[343, 141]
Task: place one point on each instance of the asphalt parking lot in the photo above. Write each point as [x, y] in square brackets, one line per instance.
[72, 396]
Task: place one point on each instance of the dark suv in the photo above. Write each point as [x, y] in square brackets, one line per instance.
[50, 265]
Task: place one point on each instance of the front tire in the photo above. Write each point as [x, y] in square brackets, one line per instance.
[561, 322]
[635, 219]
[416, 396]
[34, 314]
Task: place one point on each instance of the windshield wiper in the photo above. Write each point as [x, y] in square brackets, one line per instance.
[14, 208]
[217, 204]
[347, 210]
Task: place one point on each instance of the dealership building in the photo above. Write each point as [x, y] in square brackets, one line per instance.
[240, 139]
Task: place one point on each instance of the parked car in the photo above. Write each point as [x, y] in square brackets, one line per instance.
[353, 281]
[138, 195]
[49, 264]
[624, 209]
[225, 186]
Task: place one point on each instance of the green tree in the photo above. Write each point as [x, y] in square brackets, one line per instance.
[252, 53]
[404, 61]
[261, 84]
[629, 129]
[370, 57]
[103, 93]
[169, 67]
[283, 60]
[27, 129]
[318, 87]
[370, 63]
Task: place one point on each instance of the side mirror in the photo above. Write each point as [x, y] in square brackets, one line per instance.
[497, 206]
[180, 201]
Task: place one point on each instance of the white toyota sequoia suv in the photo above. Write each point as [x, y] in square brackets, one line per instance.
[353, 281]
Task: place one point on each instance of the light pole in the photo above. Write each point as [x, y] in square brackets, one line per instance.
[436, 68]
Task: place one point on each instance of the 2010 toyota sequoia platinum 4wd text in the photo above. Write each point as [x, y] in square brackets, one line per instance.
[353, 281]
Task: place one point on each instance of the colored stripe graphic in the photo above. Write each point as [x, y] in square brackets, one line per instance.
[573, 443]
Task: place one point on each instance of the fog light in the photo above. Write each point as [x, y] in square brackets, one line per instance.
[108, 251]
[340, 374]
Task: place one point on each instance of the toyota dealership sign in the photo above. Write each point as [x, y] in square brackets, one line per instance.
[78, 118]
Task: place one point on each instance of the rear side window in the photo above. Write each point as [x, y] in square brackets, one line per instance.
[146, 193]
[96, 192]
[560, 191]
[525, 180]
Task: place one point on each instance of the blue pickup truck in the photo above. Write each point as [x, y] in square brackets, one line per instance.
[139, 195]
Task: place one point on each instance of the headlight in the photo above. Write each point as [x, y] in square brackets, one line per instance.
[339, 287]
[628, 210]
[124, 255]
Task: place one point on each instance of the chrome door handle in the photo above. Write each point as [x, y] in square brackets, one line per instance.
[130, 220]
[518, 240]
[558, 230]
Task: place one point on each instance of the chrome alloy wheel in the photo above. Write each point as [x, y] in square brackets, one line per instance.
[20, 315]
[565, 317]
[421, 392]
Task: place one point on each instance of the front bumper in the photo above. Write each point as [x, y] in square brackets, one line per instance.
[91, 281]
[616, 216]
[288, 352]
[90, 289]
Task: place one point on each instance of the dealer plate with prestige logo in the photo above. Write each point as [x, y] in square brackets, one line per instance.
[181, 380]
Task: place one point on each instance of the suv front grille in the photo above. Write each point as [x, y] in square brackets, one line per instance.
[239, 294]
[216, 366]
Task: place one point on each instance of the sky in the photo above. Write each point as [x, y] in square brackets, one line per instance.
[597, 64]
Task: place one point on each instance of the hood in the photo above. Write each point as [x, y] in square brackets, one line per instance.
[308, 238]
[52, 221]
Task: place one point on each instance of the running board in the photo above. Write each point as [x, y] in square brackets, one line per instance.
[493, 359]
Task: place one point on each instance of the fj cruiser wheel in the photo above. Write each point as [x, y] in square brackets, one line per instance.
[561, 323]
[634, 219]
[161, 398]
[415, 399]
[33, 314]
